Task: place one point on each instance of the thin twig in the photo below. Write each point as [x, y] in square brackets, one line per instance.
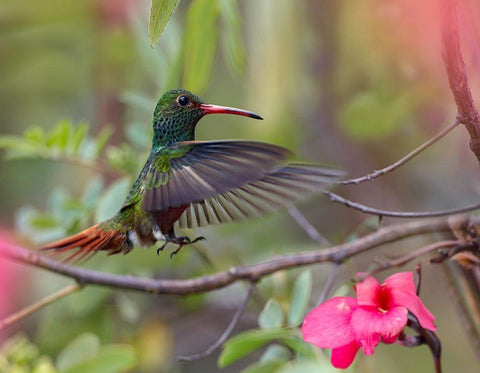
[398, 214]
[398, 262]
[302, 221]
[329, 284]
[405, 159]
[335, 254]
[227, 332]
[27, 311]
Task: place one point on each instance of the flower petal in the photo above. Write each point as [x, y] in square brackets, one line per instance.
[402, 292]
[370, 325]
[328, 325]
[343, 356]
[367, 291]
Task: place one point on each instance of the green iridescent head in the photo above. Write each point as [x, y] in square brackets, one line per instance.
[177, 113]
[178, 103]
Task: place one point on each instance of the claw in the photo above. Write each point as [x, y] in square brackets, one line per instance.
[180, 241]
[161, 248]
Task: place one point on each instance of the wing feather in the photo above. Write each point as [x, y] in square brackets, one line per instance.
[199, 170]
[276, 189]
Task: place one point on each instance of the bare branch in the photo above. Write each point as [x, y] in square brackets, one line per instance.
[27, 311]
[398, 262]
[335, 254]
[373, 175]
[329, 284]
[457, 75]
[302, 221]
[398, 214]
[227, 332]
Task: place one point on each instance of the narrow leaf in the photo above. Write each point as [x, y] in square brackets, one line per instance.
[160, 13]
[231, 36]
[271, 315]
[110, 359]
[200, 44]
[299, 300]
[264, 367]
[78, 137]
[102, 140]
[244, 343]
[83, 347]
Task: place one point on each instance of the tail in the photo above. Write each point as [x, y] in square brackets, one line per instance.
[89, 242]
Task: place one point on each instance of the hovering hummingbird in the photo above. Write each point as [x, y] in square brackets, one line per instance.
[197, 183]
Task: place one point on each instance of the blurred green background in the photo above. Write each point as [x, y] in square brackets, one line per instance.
[353, 84]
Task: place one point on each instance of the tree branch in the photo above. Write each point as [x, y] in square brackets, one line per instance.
[309, 229]
[398, 262]
[227, 332]
[335, 254]
[27, 311]
[373, 175]
[457, 75]
[398, 214]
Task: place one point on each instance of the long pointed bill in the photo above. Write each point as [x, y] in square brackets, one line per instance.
[215, 109]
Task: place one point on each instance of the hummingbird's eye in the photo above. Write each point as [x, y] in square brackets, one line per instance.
[183, 100]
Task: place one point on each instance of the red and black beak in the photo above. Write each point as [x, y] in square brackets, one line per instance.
[215, 109]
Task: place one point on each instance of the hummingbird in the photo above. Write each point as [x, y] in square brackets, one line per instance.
[196, 183]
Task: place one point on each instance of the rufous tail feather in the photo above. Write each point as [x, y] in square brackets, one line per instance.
[89, 241]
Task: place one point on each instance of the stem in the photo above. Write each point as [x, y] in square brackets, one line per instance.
[405, 159]
[302, 221]
[398, 214]
[226, 333]
[329, 285]
[27, 311]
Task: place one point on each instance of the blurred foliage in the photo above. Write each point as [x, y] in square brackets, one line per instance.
[83, 354]
[285, 341]
[356, 84]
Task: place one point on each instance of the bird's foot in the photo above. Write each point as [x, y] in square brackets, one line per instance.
[180, 241]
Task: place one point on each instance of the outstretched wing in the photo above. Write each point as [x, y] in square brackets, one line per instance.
[194, 171]
[275, 189]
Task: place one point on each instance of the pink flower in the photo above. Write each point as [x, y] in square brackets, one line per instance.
[379, 313]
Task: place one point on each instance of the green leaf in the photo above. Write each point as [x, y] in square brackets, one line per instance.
[271, 315]
[308, 367]
[44, 221]
[160, 13]
[200, 43]
[102, 139]
[111, 201]
[78, 137]
[110, 359]
[246, 342]
[123, 158]
[264, 367]
[83, 347]
[18, 147]
[60, 134]
[275, 352]
[35, 134]
[298, 345]
[299, 300]
[231, 36]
